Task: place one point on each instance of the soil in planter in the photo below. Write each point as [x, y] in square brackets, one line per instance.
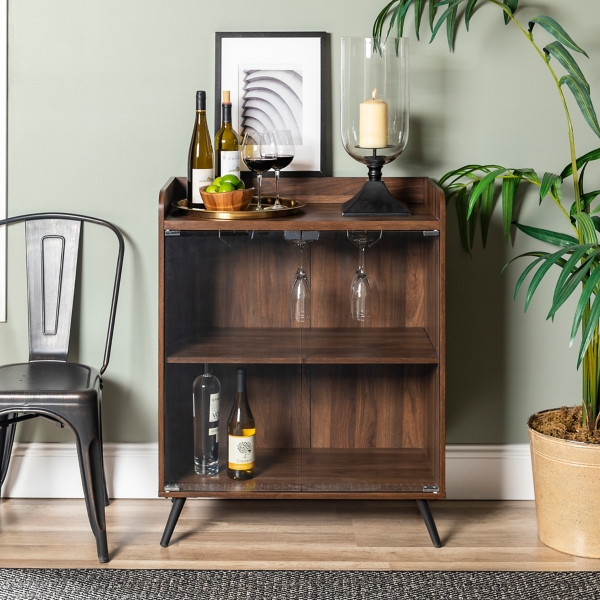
[564, 423]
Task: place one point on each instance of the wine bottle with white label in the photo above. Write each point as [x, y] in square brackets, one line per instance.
[207, 396]
[200, 158]
[227, 143]
[242, 433]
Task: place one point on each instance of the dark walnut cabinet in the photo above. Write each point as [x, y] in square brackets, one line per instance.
[343, 409]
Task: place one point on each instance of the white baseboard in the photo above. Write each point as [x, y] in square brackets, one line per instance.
[51, 471]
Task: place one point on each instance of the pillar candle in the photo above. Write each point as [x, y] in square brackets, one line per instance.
[372, 130]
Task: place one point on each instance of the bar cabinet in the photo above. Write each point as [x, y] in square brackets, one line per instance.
[343, 409]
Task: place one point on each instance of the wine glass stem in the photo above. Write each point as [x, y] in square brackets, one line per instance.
[259, 180]
[300, 265]
[277, 202]
[361, 257]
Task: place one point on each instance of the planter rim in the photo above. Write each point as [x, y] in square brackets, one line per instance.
[555, 439]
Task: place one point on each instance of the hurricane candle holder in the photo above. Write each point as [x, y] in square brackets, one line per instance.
[374, 116]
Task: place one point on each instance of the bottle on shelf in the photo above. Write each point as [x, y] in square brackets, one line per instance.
[241, 431]
[200, 158]
[227, 143]
[207, 396]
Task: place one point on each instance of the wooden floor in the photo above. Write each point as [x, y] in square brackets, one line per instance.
[239, 534]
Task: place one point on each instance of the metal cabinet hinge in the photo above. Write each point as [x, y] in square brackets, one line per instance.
[172, 233]
[432, 233]
[308, 236]
[431, 489]
[171, 487]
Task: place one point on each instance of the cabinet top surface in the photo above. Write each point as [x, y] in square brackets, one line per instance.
[323, 198]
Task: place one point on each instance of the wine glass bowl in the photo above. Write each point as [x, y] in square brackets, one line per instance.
[285, 154]
[259, 153]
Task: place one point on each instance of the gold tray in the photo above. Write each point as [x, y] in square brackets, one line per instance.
[290, 207]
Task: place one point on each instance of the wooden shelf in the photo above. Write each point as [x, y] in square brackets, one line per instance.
[321, 471]
[407, 345]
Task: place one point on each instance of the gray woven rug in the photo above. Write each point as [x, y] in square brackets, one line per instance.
[109, 584]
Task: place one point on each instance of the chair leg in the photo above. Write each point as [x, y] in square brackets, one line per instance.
[106, 498]
[7, 436]
[89, 451]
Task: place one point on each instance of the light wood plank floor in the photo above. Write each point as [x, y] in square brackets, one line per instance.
[239, 534]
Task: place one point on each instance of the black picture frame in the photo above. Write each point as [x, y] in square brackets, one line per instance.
[316, 148]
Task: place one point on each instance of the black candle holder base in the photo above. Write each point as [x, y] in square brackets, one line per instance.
[374, 199]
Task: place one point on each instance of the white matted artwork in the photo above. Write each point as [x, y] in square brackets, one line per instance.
[276, 81]
[3, 119]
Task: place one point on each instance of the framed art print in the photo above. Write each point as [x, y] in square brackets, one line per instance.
[277, 81]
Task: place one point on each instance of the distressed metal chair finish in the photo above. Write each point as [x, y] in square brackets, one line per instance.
[48, 385]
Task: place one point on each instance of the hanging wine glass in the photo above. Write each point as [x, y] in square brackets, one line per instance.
[300, 296]
[259, 152]
[285, 154]
[361, 295]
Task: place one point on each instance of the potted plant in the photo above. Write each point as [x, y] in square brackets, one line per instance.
[565, 442]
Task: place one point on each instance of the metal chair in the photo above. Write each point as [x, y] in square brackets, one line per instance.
[49, 386]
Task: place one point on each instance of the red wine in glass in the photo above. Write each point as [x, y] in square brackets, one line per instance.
[259, 153]
[285, 154]
[260, 165]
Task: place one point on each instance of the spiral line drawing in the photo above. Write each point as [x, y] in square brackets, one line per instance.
[272, 99]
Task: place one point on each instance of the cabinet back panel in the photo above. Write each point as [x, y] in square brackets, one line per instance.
[396, 266]
[275, 395]
[373, 406]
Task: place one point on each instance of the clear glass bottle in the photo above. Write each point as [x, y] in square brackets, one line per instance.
[207, 396]
[242, 432]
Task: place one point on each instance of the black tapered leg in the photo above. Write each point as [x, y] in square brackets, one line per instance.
[429, 522]
[7, 436]
[172, 521]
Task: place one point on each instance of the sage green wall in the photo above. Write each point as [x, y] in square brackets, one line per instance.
[101, 99]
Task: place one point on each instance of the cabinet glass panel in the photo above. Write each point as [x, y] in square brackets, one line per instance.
[226, 305]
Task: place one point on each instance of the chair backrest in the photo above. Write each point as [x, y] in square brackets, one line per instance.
[52, 250]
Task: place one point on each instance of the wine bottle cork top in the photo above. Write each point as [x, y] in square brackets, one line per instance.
[226, 97]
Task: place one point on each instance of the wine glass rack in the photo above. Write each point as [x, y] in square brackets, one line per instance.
[343, 409]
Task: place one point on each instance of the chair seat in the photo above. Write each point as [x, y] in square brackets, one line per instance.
[55, 379]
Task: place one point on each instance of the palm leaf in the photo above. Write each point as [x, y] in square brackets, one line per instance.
[565, 58]
[548, 182]
[528, 174]
[451, 24]
[380, 20]
[590, 327]
[554, 29]
[461, 213]
[445, 15]
[482, 184]
[526, 272]
[469, 12]
[512, 5]
[548, 263]
[509, 189]
[587, 228]
[487, 207]
[583, 100]
[582, 160]
[564, 291]
[418, 6]
[432, 12]
[545, 235]
[582, 304]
